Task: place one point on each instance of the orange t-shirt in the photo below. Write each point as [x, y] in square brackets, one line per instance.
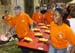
[48, 17]
[21, 24]
[7, 19]
[61, 35]
[37, 17]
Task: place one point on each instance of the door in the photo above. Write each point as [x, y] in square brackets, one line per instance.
[29, 6]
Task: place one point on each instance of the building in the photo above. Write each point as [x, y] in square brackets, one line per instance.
[27, 5]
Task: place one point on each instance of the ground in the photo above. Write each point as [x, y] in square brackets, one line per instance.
[10, 47]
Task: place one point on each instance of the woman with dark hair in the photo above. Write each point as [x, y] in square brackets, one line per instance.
[61, 34]
[64, 18]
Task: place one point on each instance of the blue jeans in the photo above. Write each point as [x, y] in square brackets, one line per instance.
[54, 50]
[24, 50]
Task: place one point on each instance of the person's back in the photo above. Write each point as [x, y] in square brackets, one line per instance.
[48, 17]
[37, 16]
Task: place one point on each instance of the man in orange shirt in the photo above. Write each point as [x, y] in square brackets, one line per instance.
[48, 16]
[6, 18]
[61, 34]
[37, 16]
[21, 22]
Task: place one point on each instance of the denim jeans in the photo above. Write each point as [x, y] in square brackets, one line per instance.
[24, 50]
[54, 50]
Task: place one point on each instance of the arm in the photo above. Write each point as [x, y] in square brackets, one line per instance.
[32, 26]
[44, 18]
[33, 18]
[30, 22]
[10, 29]
[11, 25]
[71, 36]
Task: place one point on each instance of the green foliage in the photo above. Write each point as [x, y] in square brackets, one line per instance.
[10, 47]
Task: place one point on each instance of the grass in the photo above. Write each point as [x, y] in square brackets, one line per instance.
[10, 47]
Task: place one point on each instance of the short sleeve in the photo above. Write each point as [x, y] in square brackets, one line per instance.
[30, 21]
[71, 36]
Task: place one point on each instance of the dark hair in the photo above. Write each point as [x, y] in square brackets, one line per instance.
[62, 13]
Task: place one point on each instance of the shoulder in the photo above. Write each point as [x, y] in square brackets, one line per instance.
[13, 16]
[24, 14]
[66, 27]
[52, 24]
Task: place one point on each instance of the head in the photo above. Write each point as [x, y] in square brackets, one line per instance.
[53, 5]
[63, 6]
[17, 10]
[6, 12]
[37, 9]
[58, 17]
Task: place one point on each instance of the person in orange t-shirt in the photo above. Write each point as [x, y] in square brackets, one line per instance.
[61, 34]
[6, 18]
[21, 22]
[48, 16]
[37, 16]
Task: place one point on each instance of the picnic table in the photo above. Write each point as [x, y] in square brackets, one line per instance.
[36, 44]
